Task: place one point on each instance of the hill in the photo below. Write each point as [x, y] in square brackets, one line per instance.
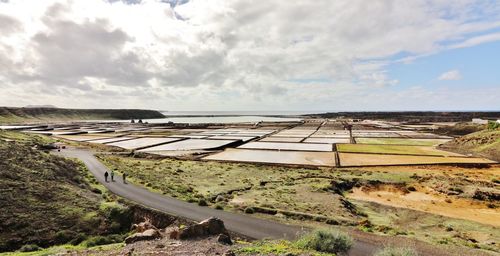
[412, 116]
[49, 200]
[15, 115]
[485, 143]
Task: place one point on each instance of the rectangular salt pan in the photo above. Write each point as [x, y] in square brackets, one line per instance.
[110, 140]
[190, 144]
[288, 146]
[223, 137]
[276, 157]
[327, 140]
[281, 139]
[142, 142]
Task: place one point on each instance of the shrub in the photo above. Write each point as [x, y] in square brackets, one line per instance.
[80, 237]
[202, 202]
[119, 216]
[330, 241]
[64, 236]
[249, 210]
[102, 240]
[492, 125]
[396, 251]
[219, 207]
[29, 248]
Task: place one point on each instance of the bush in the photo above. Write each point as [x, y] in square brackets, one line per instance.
[64, 236]
[202, 202]
[102, 240]
[492, 125]
[30, 248]
[330, 241]
[249, 210]
[119, 216]
[396, 251]
[80, 237]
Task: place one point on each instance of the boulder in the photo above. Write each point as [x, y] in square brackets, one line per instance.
[174, 234]
[229, 253]
[224, 239]
[208, 227]
[143, 226]
[149, 234]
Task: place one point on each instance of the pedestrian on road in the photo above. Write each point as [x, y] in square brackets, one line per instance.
[124, 178]
[106, 176]
[112, 175]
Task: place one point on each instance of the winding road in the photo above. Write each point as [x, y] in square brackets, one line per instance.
[239, 223]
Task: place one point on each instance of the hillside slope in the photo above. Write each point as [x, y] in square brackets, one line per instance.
[48, 200]
[11, 115]
[485, 143]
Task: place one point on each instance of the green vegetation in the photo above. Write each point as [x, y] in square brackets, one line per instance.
[297, 193]
[26, 138]
[493, 125]
[396, 251]
[391, 149]
[318, 242]
[330, 241]
[48, 200]
[19, 115]
[401, 141]
[65, 250]
[315, 196]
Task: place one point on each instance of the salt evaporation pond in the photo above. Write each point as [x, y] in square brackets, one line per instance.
[277, 157]
[142, 142]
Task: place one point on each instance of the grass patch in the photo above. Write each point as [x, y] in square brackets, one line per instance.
[396, 251]
[324, 240]
[392, 149]
[400, 141]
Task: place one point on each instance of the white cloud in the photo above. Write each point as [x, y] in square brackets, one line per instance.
[180, 54]
[451, 75]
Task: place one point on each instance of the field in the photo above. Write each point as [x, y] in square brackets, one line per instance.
[295, 176]
[393, 149]
[401, 141]
[275, 157]
[345, 196]
[355, 159]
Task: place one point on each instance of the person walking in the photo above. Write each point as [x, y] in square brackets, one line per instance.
[106, 176]
[124, 178]
[112, 175]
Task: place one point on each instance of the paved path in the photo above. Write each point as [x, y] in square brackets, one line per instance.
[239, 223]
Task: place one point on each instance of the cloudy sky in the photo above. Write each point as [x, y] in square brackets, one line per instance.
[251, 55]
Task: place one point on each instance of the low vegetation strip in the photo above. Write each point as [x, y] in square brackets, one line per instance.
[12, 115]
[393, 149]
[401, 141]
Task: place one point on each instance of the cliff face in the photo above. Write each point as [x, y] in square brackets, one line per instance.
[9, 114]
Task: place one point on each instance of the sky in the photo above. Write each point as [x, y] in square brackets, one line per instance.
[275, 55]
